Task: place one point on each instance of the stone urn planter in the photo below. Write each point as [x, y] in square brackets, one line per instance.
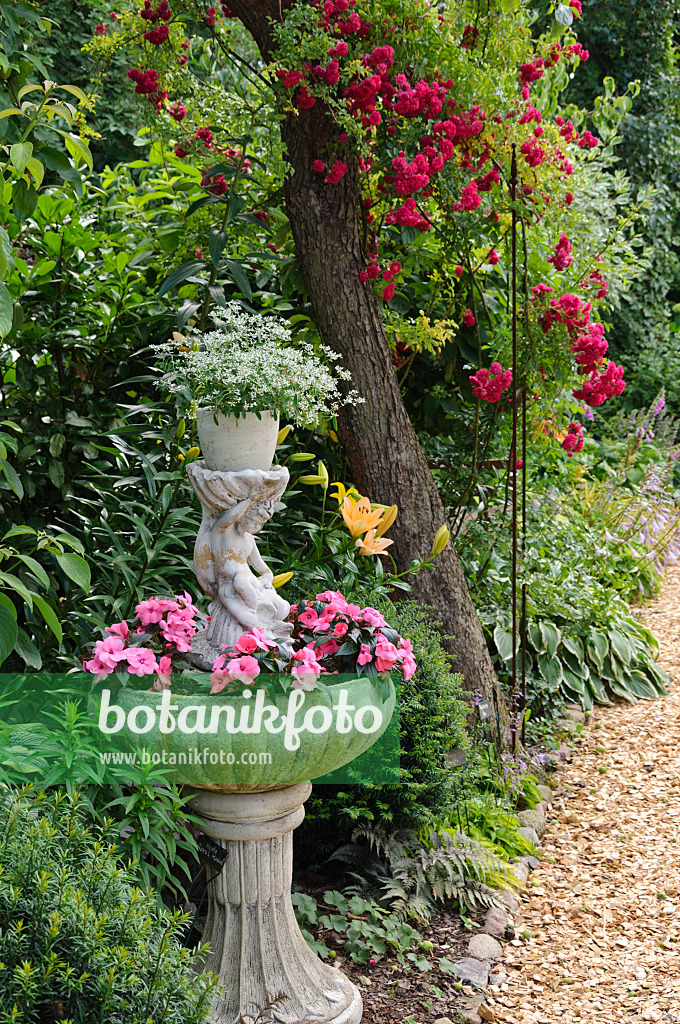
[234, 443]
[329, 729]
[250, 806]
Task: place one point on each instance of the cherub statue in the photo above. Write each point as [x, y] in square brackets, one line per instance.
[235, 506]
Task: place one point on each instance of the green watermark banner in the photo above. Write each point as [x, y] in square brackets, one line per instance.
[60, 729]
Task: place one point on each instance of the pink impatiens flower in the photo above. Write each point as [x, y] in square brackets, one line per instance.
[364, 656]
[243, 670]
[373, 617]
[306, 669]
[120, 629]
[107, 654]
[386, 655]
[141, 661]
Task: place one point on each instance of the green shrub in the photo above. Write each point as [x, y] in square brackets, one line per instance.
[433, 716]
[78, 941]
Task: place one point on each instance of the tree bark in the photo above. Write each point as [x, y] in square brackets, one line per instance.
[387, 461]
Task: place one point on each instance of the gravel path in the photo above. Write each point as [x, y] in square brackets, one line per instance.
[604, 909]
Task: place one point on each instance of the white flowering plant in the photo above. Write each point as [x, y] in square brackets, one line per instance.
[249, 363]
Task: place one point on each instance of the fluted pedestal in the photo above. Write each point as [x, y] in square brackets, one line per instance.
[257, 948]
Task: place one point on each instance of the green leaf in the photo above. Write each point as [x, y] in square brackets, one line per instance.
[574, 646]
[564, 15]
[550, 669]
[35, 567]
[574, 682]
[598, 646]
[216, 243]
[76, 568]
[8, 633]
[36, 170]
[20, 153]
[56, 473]
[551, 637]
[76, 91]
[621, 646]
[28, 651]
[12, 478]
[24, 199]
[240, 279]
[6, 311]
[49, 615]
[179, 275]
[78, 150]
[503, 640]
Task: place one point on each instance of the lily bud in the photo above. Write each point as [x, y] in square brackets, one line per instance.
[441, 539]
[387, 520]
[281, 579]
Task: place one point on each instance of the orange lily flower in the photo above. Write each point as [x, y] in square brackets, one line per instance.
[372, 545]
[360, 517]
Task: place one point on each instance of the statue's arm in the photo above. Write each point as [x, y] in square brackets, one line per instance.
[204, 565]
[256, 561]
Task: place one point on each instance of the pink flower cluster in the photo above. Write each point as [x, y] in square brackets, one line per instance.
[589, 348]
[562, 256]
[170, 624]
[600, 386]
[337, 171]
[587, 339]
[146, 82]
[469, 198]
[490, 384]
[346, 636]
[330, 635]
[573, 442]
[154, 14]
[408, 216]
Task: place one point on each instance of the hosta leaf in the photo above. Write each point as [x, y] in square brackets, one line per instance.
[503, 640]
[574, 646]
[640, 685]
[598, 646]
[621, 646]
[550, 669]
[575, 683]
[551, 637]
[574, 663]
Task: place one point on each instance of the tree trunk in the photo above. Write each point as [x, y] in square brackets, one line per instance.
[387, 461]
